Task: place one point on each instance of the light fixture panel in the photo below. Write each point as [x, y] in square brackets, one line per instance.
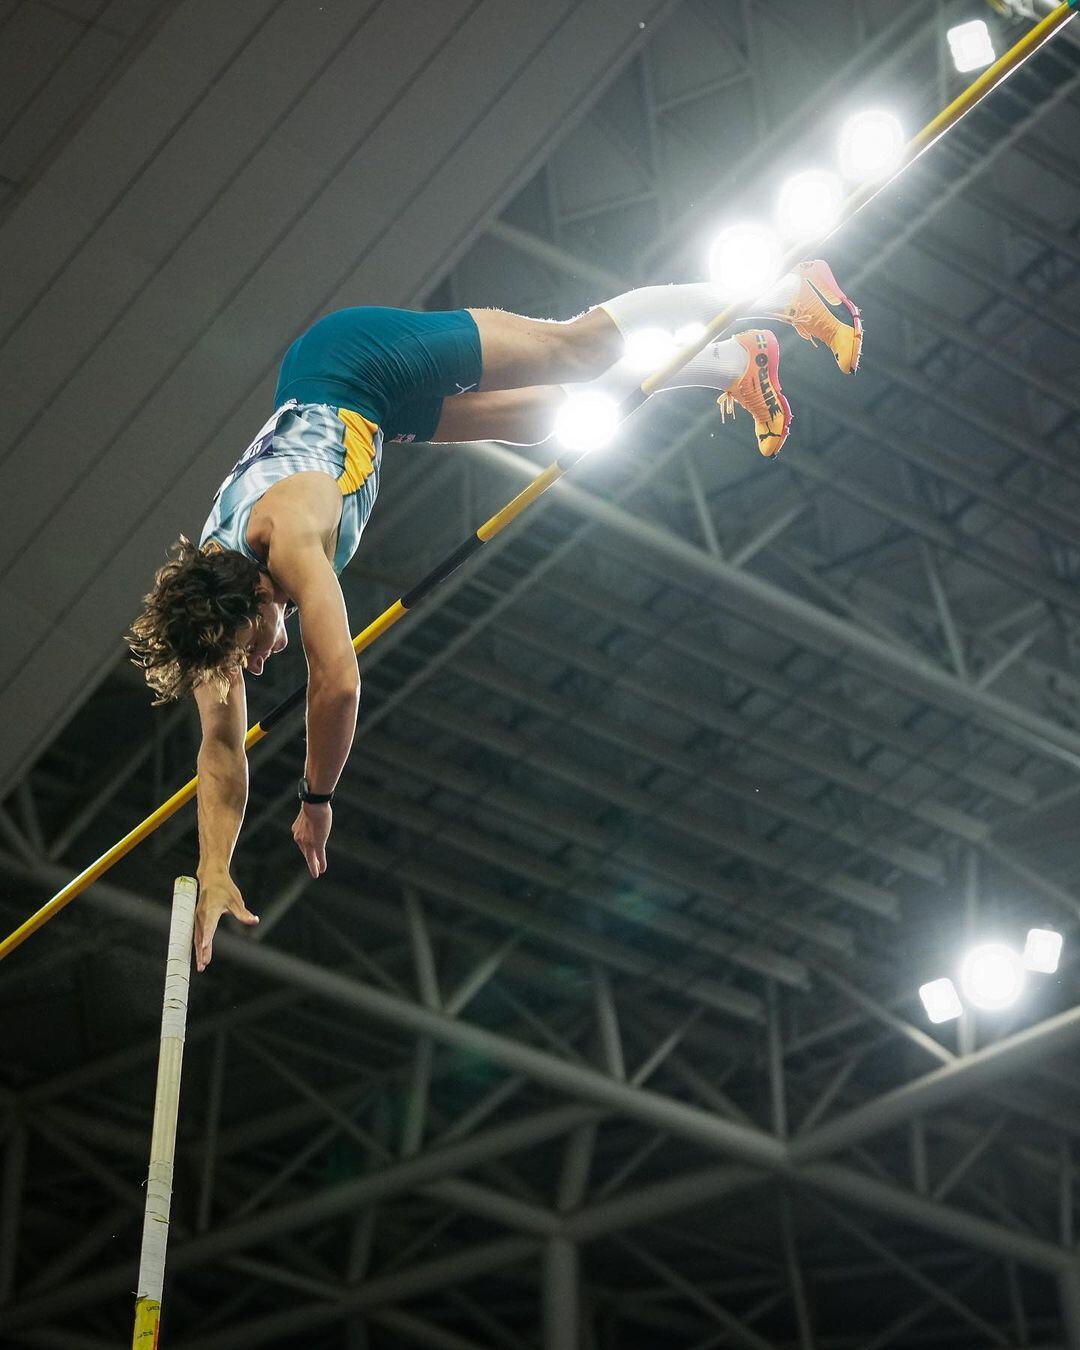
[941, 1001]
[971, 45]
[1042, 950]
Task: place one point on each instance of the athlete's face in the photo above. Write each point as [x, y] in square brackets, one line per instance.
[267, 635]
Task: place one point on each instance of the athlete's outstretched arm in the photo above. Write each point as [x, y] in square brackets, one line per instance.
[298, 563]
[222, 800]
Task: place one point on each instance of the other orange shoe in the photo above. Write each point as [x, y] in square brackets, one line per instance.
[758, 391]
[822, 312]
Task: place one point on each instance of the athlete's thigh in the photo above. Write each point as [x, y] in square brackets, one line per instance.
[517, 351]
[517, 416]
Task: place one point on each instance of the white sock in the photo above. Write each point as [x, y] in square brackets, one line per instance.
[674, 307]
[715, 367]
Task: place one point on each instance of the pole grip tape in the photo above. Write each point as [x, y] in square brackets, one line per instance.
[178, 965]
[159, 1181]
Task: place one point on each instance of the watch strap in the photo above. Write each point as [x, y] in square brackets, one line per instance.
[305, 794]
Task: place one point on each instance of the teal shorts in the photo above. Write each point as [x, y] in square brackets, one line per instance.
[393, 366]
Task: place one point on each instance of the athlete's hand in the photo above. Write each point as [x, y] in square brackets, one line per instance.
[311, 830]
[218, 895]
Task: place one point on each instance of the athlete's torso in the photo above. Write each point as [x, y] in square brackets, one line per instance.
[301, 438]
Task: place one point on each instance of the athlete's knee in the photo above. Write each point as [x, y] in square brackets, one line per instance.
[589, 345]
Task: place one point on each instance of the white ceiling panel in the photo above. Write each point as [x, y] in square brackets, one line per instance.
[255, 166]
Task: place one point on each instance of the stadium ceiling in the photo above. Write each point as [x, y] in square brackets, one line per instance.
[602, 1028]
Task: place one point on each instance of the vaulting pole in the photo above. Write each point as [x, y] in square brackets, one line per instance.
[933, 131]
[166, 1107]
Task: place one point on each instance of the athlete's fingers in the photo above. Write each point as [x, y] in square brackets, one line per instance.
[309, 857]
[204, 941]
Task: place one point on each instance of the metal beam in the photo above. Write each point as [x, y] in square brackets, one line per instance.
[210, 1135]
[1069, 1295]
[887, 1017]
[916, 1276]
[660, 1199]
[561, 1295]
[679, 1119]
[830, 708]
[411, 1174]
[11, 1204]
[970, 1229]
[495, 904]
[726, 910]
[607, 1023]
[934, 1090]
[417, 1331]
[681, 698]
[763, 603]
[735, 1329]
[796, 1283]
[700, 825]
[483, 1259]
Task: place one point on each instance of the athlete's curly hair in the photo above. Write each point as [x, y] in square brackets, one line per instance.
[187, 633]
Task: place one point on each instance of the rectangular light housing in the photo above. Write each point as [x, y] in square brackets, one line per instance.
[1042, 950]
[941, 1001]
[971, 45]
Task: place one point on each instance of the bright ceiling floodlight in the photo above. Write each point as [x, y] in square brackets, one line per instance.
[1042, 951]
[871, 144]
[587, 421]
[809, 203]
[941, 1001]
[648, 349]
[992, 976]
[971, 46]
[744, 261]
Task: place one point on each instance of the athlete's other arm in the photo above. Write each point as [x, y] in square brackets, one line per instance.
[222, 799]
[298, 564]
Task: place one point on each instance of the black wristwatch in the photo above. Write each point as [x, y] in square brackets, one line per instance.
[313, 798]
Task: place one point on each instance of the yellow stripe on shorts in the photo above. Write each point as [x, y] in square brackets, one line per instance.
[359, 451]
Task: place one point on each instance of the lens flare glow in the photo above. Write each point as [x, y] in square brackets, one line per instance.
[871, 144]
[689, 332]
[647, 349]
[971, 45]
[809, 203]
[941, 1001]
[744, 261]
[587, 421]
[992, 976]
[1042, 950]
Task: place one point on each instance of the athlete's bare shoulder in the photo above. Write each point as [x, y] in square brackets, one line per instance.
[304, 503]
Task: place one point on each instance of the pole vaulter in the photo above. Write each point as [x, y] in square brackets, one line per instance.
[939, 126]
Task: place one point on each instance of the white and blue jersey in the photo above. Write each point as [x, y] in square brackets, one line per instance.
[302, 438]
